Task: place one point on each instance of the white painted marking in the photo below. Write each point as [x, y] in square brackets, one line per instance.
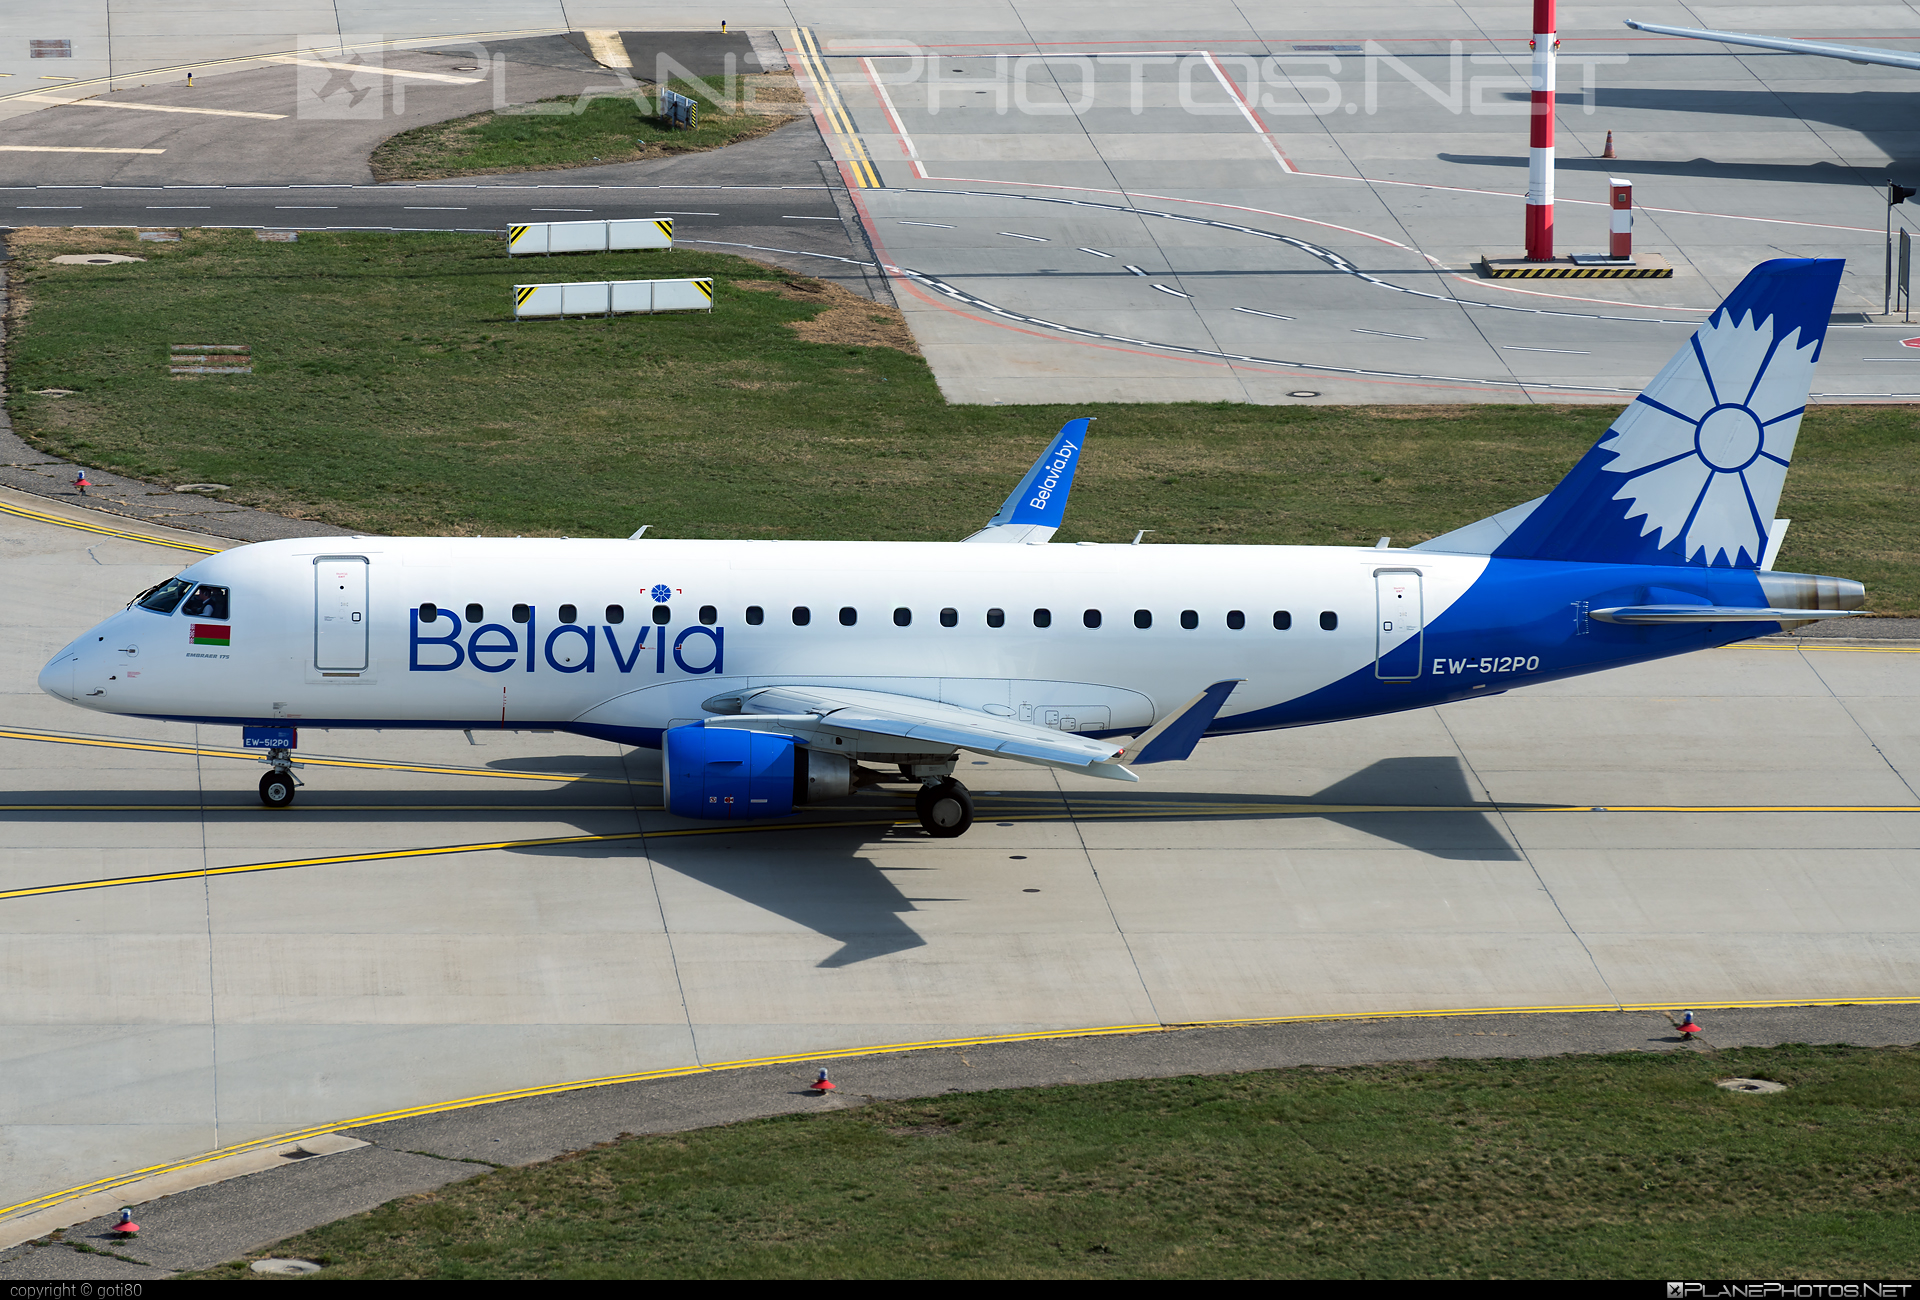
[786, 218]
[1416, 338]
[668, 212]
[180, 207]
[371, 71]
[899, 128]
[1011, 234]
[1136, 270]
[1175, 292]
[560, 209]
[1268, 314]
[934, 224]
[607, 49]
[433, 209]
[305, 207]
[48, 207]
[147, 108]
[68, 148]
[1565, 352]
[1097, 253]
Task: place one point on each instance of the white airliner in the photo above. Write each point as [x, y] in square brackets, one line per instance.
[775, 674]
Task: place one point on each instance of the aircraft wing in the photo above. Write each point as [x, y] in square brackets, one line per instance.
[830, 717]
[1851, 53]
[1032, 512]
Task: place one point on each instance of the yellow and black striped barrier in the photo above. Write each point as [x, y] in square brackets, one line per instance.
[1561, 268]
[839, 121]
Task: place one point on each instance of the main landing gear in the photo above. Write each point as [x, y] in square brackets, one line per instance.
[278, 785]
[945, 808]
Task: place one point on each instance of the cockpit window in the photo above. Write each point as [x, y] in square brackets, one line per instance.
[163, 598]
[207, 601]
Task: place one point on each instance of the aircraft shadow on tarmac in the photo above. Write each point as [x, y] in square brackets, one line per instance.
[821, 878]
[1880, 115]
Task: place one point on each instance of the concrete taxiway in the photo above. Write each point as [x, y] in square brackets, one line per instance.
[435, 919]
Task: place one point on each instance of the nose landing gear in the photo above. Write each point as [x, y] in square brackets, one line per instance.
[277, 786]
[945, 808]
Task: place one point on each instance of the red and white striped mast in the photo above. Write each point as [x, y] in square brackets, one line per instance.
[1540, 138]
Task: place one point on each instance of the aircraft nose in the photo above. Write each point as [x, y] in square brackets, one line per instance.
[56, 679]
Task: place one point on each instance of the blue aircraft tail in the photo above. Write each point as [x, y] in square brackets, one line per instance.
[1691, 471]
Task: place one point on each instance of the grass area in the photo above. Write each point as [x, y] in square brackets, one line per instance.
[1632, 1165]
[582, 130]
[392, 392]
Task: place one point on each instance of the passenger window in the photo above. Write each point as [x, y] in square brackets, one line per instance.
[206, 602]
[802, 616]
[475, 613]
[709, 615]
[429, 613]
[1189, 619]
[996, 618]
[1328, 620]
[1236, 619]
[1143, 618]
[163, 598]
[849, 616]
[616, 614]
[1091, 618]
[521, 613]
[902, 617]
[755, 615]
[949, 618]
[1282, 620]
[568, 614]
[663, 614]
[1043, 618]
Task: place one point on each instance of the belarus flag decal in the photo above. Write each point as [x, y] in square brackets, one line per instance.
[208, 634]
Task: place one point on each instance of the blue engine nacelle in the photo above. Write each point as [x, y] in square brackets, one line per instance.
[725, 774]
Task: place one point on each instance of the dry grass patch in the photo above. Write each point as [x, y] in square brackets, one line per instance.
[848, 321]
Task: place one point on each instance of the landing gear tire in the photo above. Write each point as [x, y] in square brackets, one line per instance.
[276, 789]
[946, 809]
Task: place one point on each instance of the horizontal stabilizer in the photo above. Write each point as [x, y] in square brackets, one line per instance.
[1642, 614]
[1174, 736]
[1034, 511]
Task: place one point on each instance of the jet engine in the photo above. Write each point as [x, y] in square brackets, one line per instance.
[728, 774]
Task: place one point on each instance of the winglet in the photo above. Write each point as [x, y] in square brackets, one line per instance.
[1174, 736]
[1035, 509]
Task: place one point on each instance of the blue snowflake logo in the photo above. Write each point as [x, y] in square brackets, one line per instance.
[662, 592]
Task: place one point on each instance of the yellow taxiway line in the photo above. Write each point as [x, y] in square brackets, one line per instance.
[43, 517]
[887, 1049]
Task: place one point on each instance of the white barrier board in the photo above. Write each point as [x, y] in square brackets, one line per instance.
[589, 236]
[611, 297]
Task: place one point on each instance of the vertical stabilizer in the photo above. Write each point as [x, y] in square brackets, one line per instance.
[1691, 471]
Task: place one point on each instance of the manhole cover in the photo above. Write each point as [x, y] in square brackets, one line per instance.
[95, 259]
[1303, 392]
[203, 487]
[284, 1266]
[1752, 1085]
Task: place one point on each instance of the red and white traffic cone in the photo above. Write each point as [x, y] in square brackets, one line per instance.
[1608, 151]
[1689, 1027]
[823, 1083]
